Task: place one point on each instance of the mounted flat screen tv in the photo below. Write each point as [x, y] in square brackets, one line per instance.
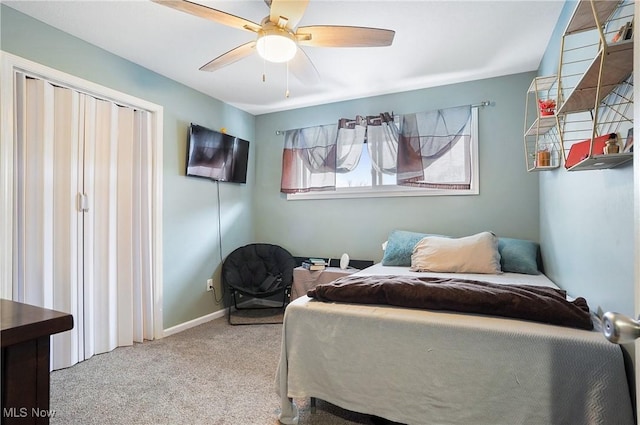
[216, 156]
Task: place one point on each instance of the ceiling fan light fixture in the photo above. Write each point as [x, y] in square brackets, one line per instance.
[276, 45]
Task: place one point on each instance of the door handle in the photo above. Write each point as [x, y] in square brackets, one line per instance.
[619, 328]
[83, 202]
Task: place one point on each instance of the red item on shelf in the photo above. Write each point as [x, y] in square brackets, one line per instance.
[580, 150]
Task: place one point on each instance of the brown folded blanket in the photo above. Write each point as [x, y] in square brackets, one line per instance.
[537, 303]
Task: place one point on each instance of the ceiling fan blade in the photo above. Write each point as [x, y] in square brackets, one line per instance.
[210, 14]
[304, 70]
[230, 57]
[291, 10]
[344, 36]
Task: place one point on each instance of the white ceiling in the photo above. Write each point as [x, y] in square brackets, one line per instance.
[436, 43]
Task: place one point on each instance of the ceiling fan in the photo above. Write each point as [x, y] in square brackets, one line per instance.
[278, 39]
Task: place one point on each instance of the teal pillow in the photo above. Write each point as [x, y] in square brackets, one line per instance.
[518, 256]
[400, 247]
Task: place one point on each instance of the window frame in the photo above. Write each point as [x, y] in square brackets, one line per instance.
[398, 191]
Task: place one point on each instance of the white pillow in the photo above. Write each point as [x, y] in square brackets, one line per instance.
[472, 254]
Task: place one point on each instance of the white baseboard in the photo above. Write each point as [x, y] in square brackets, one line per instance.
[216, 315]
[195, 322]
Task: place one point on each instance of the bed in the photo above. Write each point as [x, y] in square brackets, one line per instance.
[420, 366]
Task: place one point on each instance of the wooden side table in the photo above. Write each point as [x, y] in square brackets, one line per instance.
[304, 279]
[24, 336]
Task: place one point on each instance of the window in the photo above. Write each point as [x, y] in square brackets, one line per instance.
[435, 152]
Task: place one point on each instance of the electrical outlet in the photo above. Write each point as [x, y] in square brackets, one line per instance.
[209, 284]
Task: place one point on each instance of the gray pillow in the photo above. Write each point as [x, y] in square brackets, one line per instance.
[518, 256]
[400, 247]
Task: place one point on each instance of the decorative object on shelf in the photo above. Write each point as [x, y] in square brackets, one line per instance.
[629, 32]
[624, 33]
[612, 146]
[547, 107]
[582, 150]
[544, 158]
[628, 144]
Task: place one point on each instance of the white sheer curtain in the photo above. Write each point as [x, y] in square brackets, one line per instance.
[312, 156]
[83, 217]
[349, 143]
[434, 149]
[309, 159]
[382, 141]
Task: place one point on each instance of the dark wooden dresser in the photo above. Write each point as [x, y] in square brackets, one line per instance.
[24, 336]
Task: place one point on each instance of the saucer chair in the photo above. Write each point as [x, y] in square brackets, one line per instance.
[258, 270]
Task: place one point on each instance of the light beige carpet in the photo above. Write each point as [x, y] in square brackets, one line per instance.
[211, 374]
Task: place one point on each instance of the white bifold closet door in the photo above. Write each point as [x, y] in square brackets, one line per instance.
[83, 217]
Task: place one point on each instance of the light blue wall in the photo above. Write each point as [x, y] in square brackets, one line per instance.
[507, 204]
[190, 206]
[586, 221]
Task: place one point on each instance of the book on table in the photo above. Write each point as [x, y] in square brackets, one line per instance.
[314, 264]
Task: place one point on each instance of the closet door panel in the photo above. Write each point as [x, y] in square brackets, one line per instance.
[112, 226]
[101, 242]
[66, 240]
[47, 219]
[34, 153]
[126, 211]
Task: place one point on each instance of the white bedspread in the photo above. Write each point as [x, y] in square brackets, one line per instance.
[434, 367]
[504, 278]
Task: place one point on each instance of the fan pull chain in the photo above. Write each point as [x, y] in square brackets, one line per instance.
[264, 70]
[286, 94]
